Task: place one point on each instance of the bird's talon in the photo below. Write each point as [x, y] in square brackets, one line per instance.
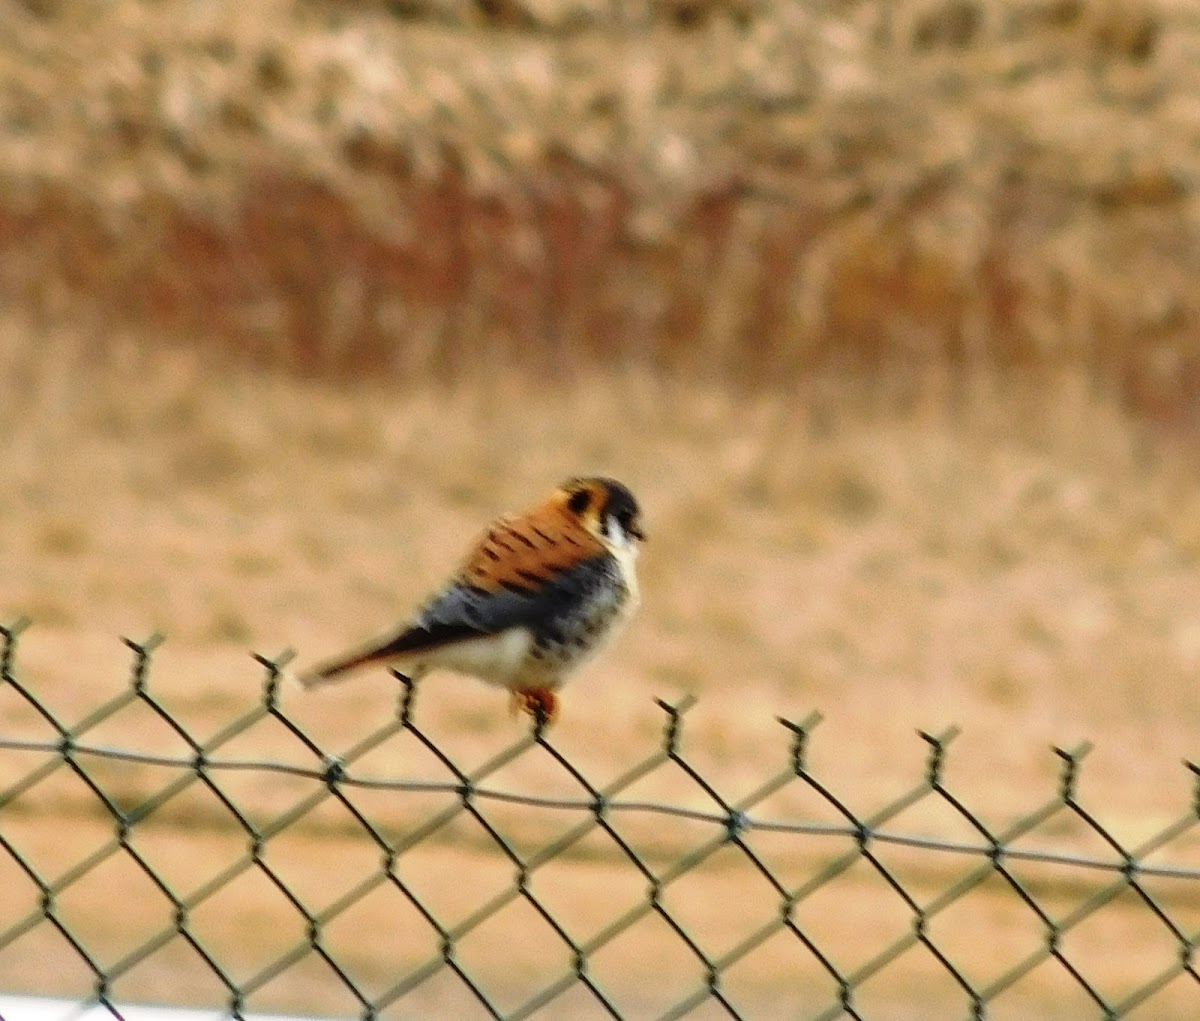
[540, 703]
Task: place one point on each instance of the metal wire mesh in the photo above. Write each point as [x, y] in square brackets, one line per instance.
[609, 905]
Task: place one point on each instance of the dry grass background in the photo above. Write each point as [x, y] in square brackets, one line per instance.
[1029, 576]
[727, 188]
[887, 311]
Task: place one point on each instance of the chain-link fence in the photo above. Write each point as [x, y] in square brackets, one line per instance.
[312, 880]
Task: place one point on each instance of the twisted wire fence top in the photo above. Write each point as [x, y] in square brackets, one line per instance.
[314, 880]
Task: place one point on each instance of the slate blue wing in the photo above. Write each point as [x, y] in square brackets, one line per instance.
[549, 607]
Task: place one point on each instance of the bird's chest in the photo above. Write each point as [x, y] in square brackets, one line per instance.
[582, 625]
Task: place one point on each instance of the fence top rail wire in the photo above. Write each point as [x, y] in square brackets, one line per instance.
[739, 820]
[904, 916]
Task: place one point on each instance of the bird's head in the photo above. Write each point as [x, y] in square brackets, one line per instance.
[605, 508]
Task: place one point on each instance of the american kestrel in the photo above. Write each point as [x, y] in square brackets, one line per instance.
[538, 594]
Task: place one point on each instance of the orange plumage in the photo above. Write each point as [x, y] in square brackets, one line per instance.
[536, 596]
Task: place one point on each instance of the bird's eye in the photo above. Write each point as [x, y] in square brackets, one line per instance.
[627, 519]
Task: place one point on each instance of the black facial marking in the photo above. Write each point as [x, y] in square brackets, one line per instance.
[621, 505]
[616, 501]
[579, 501]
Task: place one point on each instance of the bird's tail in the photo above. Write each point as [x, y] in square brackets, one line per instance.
[335, 669]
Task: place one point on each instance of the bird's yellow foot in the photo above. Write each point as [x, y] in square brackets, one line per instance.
[540, 703]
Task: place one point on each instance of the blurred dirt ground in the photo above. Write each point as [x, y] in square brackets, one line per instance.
[1020, 561]
[886, 311]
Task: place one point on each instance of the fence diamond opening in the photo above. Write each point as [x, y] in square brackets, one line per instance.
[312, 880]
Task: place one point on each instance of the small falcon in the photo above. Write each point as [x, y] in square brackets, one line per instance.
[539, 594]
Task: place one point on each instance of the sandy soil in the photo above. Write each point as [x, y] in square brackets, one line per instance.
[887, 313]
[1024, 566]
